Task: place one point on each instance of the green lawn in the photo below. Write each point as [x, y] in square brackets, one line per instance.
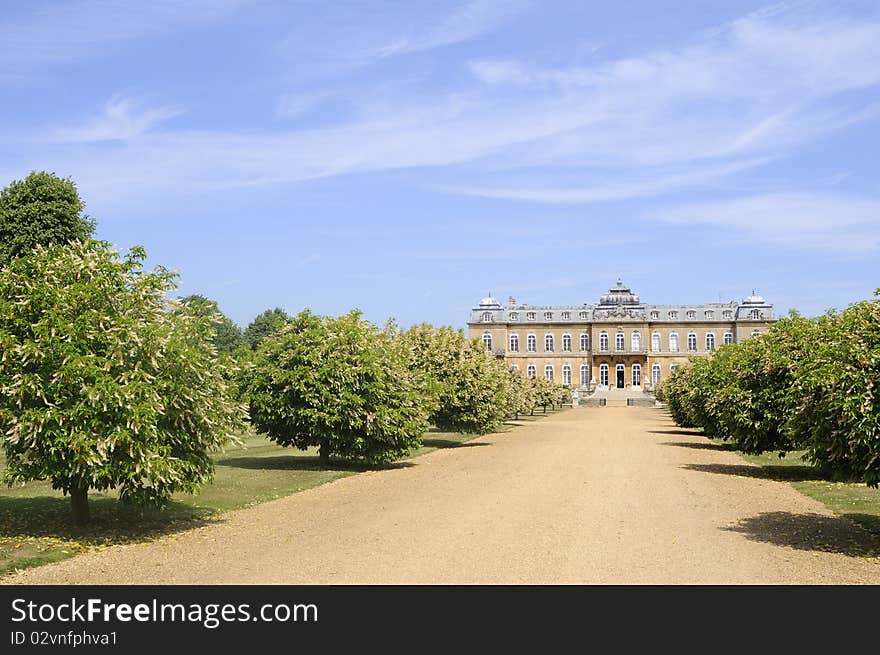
[854, 500]
[36, 528]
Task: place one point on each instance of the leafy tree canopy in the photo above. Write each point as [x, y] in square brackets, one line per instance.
[42, 209]
[338, 383]
[101, 386]
[266, 324]
[227, 335]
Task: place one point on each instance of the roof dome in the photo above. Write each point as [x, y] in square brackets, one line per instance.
[619, 294]
[754, 299]
[489, 301]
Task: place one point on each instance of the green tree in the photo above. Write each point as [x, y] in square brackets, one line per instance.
[265, 325]
[835, 411]
[227, 335]
[338, 383]
[101, 386]
[468, 384]
[41, 209]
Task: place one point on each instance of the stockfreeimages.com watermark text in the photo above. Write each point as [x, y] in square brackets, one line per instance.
[208, 615]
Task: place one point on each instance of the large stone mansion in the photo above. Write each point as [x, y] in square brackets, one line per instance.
[618, 342]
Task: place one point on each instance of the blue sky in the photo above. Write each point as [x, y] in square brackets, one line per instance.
[408, 158]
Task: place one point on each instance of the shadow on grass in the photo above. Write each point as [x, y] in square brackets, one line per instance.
[700, 445]
[112, 522]
[305, 463]
[830, 534]
[451, 443]
[782, 473]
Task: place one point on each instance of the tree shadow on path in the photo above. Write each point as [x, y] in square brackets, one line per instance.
[449, 443]
[829, 534]
[300, 463]
[699, 445]
[778, 473]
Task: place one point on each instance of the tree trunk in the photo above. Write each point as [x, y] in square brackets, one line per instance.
[79, 503]
[323, 455]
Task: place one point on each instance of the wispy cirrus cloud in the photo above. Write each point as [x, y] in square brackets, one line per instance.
[714, 106]
[821, 221]
[47, 33]
[120, 118]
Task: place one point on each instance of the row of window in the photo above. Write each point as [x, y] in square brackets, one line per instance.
[755, 314]
[619, 342]
[636, 373]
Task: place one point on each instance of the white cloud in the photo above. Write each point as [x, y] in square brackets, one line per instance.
[68, 31]
[121, 118]
[798, 220]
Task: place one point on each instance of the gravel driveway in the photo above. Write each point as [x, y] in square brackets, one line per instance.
[590, 495]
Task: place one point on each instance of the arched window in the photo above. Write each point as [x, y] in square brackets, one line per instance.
[691, 314]
[531, 370]
[548, 316]
[636, 341]
[603, 375]
[655, 374]
[531, 343]
[755, 314]
[530, 316]
[692, 342]
[619, 341]
[566, 374]
[566, 343]
[637, 375]
[566, 316]
[583, 316]
[710, 341]
[673, 315]
[548, 372]
[585, 342]
[655, 315]
[672, 367]
[673, 342]
[585, 374]
[728, 338]
[603, 342]
[514, 343]
[548, 343]
[655, 342]
[487, 341]
[514, 316]
[487, 317]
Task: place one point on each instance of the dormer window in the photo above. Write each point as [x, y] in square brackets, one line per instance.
[487, 317]
[583, 316]
[673, 315]
[548, 316]
[756, 314]
[530, 316]
[709, 313]
[728, 313]
[566, 316]
[514, 316]
[691, 314]
[655, 315]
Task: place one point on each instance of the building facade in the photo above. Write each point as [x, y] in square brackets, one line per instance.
[618, 342]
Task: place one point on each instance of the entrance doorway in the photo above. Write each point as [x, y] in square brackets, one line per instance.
[620, 375]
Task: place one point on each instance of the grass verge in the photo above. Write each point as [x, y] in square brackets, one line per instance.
[854, 500]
